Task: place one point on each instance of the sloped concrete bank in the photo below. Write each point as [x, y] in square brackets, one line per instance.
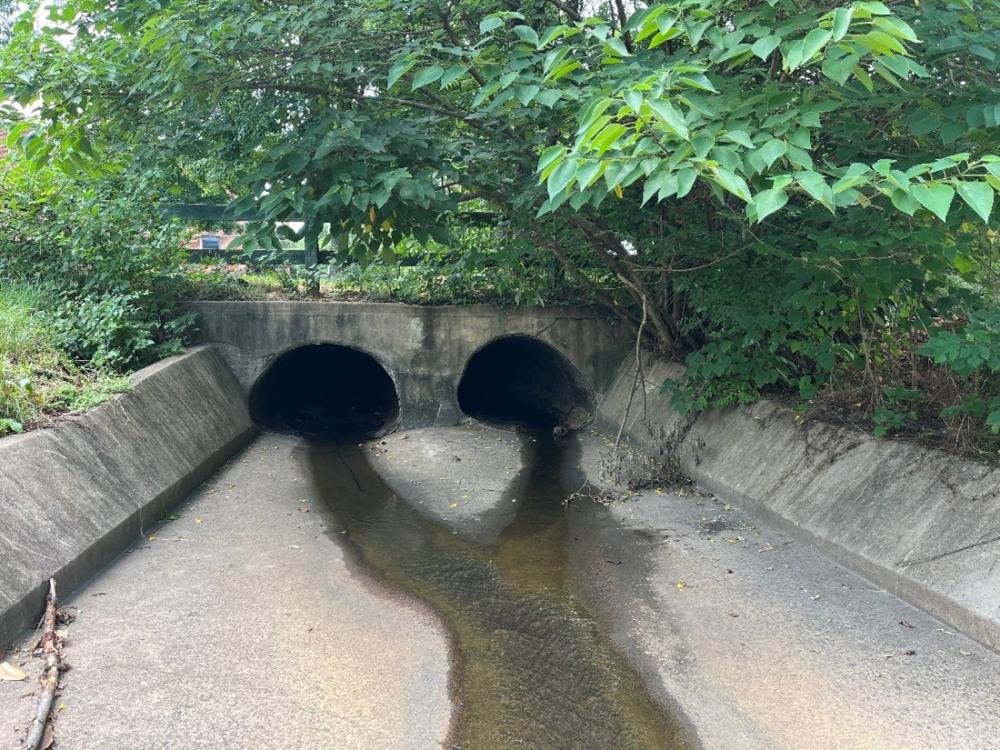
[920, 523]
[73, 497]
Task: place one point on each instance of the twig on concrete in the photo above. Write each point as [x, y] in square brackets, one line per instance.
[50, 679]
[932, 558]
[635, 377]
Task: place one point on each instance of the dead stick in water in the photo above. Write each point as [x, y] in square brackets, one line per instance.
[50, 681]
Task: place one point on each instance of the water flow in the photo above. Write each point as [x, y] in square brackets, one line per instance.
[533, 669]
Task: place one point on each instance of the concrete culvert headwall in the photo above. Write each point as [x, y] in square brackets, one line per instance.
[326, 390]
[520, 380]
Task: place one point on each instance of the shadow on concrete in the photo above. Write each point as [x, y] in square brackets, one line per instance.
[326, 390]
[522, 381]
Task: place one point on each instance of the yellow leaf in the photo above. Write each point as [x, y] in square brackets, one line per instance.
[619, 192]
[681, 585]
[197, 520]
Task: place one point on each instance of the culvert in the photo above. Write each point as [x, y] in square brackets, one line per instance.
[522, 381]
[326, 390]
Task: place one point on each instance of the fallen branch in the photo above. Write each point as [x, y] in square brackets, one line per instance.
[50, 679]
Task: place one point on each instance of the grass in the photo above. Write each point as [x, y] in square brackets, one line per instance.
[418, 285]
[38, 380]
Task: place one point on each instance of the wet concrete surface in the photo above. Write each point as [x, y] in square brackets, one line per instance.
[252, 620]
[758, 642]
[240, 624]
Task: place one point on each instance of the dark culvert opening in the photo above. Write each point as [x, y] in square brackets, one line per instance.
[521, 381]
[326, 390]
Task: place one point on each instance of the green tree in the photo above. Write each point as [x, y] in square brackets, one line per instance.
[769, 182]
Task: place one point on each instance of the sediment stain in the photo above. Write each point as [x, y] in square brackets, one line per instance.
[533, 668]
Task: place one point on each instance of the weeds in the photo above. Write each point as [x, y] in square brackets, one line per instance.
[38, 380]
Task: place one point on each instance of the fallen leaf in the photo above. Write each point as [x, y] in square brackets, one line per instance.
[11, 673]
[681, 585]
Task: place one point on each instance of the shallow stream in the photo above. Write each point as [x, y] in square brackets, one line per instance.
[532, 667]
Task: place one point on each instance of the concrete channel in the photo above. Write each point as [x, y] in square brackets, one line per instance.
[342, 583]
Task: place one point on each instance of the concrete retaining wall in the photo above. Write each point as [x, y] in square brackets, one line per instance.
[920, 523]
[73, 497]
[425, 349]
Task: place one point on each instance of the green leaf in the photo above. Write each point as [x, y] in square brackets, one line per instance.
[398, 70]
[875, 8]
[664, 183]
[800, 137]
[764, 46]
[740, 137]
[525, 94]
[427, 76]
[453, 74]
[685, 181]
[936, 197]
[633, 99]
[855, 175]
[733, 183]
[839, 68]
[589, 171]
[771, 151]
[792, 56]
[699, 82]
[562, 177]
[904, 202]
[527, 35]
[815, 41]
[799, 157]
[814, 184]
[549, 158]
[549, 97]
[616, 46]
[841, 22]
[671, 116]
[607, 137]
[767, 202]
[979, 196]
[490, 23]
[896, 27]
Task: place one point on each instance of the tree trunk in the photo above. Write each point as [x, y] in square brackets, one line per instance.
[615, 256]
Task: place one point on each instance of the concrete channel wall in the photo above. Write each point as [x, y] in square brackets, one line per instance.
[923, 524]
[73, 497]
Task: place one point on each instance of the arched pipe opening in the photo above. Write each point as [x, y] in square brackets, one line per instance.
[522, 381]
[326, 390]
